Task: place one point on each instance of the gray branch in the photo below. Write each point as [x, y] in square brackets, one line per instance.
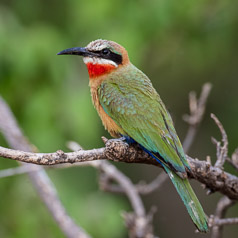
[216, 221]
[222, 150]
[117, 150]
[234, 159]
[39, 178]
[138, 223]
[225, 221]
[197, 109]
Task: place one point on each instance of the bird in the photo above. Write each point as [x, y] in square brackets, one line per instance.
[130, 107]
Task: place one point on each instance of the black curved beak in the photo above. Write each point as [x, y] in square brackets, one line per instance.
[77, 51]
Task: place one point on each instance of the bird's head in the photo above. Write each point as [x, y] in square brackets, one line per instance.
[100, 56]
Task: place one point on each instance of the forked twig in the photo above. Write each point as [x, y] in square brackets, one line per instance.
[138, 223]
[197, 109]
[216, 221]
[222, 150]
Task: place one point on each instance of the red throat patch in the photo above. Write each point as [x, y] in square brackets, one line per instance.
[95, 70]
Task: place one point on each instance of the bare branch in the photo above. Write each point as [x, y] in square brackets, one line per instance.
[216, 221]
[140, 224]
[18, 170]
[141, 187]
[39, 178]
[134, 231]
[214, 178]
[117, 150]
[58, 157]
[225, 221]
[154, 185]
[197, 109]
[234, 159]
[222, 151]
[127, 186]
[222, 206]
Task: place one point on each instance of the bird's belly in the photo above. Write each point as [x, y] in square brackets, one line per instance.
[109, 124]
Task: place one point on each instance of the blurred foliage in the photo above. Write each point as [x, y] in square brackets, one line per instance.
[179, 44]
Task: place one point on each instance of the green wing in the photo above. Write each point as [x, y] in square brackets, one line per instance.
[135, 106]
[132, 102]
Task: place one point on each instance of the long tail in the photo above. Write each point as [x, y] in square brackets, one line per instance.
[190, 200]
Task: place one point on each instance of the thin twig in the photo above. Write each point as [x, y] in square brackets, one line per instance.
[222, 151]
[26, 168]
[225, 221]
[125, 183]
[39, 178]
[222, 206]
[216, 221]
[197, 109]
[234, 159]
[153, 185]
[141, 225]
[18, 170]
[142, 188]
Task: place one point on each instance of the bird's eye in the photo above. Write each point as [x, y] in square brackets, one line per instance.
[105, 51]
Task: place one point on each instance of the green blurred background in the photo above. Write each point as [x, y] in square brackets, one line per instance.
[180, 45]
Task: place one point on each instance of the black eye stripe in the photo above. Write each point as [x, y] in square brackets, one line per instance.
[109, 55]
[114, 57]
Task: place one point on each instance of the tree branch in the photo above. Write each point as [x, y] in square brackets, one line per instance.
[234, 159]
[222, 151]
[215, 221]
[138, 223]
[117, 150]
[18, 170]
[213, 177]
[39, 178]
[197, 110]
[225, 221]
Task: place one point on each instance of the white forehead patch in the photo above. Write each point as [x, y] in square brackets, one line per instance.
[95, 60]
[97, 45]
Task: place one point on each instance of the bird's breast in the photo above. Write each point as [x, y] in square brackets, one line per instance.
[109, 124]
